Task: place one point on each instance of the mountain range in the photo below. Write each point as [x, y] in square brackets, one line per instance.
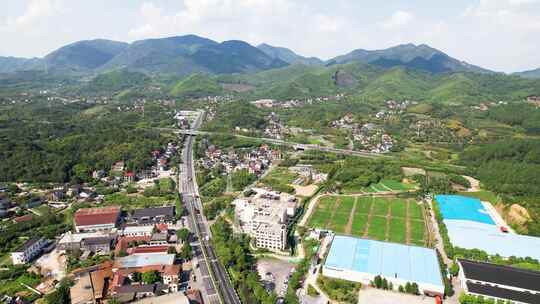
[185, 55]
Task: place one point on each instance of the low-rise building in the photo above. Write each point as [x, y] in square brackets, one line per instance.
[28, 250]
[73, 241]
[96, 219]
[152, 216]
[98, 245]
[138, 231]
[500, 282]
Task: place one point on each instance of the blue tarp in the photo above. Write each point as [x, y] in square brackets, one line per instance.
[410, 263]
[456, 207]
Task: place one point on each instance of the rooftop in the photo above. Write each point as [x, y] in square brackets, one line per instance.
[70, 237]
[151, 212]
[96, 216]
[142, 260]
[501, 275]
[27, 244]
[138, 229]
[411, 263]
[503, 293]
[474, 235]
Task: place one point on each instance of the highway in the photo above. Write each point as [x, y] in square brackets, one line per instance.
[289, 144]
[218, 286]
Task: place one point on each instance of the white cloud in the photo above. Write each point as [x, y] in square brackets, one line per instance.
[398, 19]
[35, 11]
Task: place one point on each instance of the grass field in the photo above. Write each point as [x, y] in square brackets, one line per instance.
[387, 219]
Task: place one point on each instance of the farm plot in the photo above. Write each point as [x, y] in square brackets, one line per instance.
[387, 219]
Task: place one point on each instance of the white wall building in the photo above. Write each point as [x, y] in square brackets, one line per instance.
[265, 217]
[27, 251]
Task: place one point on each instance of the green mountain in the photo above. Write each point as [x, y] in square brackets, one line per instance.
[182, 55]
[535, 74]
[83, 56]
[14, 64]
[287, 55]
[420, 57]
[196, 85]
[116, 81]
[191, 54]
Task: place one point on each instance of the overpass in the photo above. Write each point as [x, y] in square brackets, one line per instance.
[296, 146]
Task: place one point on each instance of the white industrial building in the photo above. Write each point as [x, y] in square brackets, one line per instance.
[266, 216]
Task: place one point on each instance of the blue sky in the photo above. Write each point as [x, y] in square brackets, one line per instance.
[502, 35]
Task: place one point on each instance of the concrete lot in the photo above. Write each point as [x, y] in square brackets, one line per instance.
[377, 296]
[279, 271]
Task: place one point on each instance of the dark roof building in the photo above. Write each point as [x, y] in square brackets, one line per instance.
[153, 215]
[500, 282]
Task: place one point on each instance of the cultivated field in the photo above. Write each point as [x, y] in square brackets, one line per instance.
[380, 218]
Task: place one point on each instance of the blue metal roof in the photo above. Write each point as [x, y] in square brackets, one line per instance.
[456, 207]
[473, 235]
[142, 260]
[410, 263]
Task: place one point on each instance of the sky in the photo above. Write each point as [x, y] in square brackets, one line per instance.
[502, 35]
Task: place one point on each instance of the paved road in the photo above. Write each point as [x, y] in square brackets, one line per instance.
[286, 143]
[217, 284]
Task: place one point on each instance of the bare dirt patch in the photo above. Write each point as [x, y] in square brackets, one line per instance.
[305, 190]
[475, 184]
[409, 171]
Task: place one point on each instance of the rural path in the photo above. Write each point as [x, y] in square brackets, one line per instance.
[368, 222]
[407, 224]
[309, 211]
[348, 229]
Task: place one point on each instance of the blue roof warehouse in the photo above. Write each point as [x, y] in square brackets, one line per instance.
[471, 226]
[361, 260]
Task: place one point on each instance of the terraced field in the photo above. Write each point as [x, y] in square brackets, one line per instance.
[388, 219]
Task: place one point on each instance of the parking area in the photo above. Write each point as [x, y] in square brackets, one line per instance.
[275, 274]
[378, 296]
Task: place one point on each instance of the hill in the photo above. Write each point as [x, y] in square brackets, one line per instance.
[15, 64]
[84, 55]
[287, 55]
[421, 57]
[535, 74]
[196, 85]
[116, 81]
[183, 55]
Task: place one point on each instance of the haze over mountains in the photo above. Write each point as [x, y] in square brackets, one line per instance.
[184, 55]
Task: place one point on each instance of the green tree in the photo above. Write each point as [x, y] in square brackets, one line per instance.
[136, 276]
[183, 234]
[151, 277]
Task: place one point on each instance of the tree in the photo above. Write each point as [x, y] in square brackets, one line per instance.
[454, 269]
[378, 281]
[136, 276]
[171, 250]
[384, 284]
[414, 289]
[186, 253]
[151, 277]
[183, 234]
